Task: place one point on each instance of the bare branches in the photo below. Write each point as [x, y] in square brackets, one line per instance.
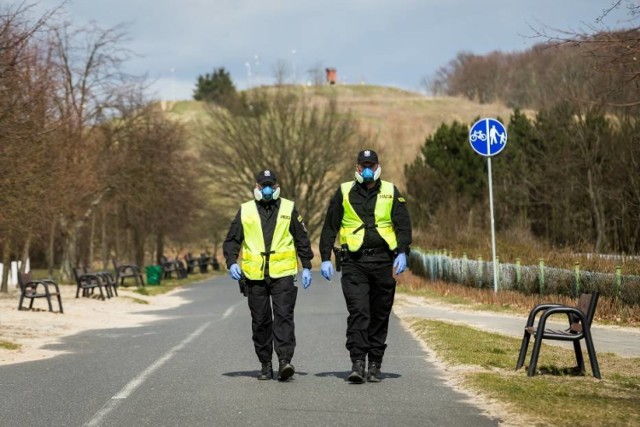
[305, 143]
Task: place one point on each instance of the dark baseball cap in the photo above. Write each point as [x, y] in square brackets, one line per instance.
[266, 177]
[367, 156]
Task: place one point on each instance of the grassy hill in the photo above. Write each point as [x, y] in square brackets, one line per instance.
[398, 120]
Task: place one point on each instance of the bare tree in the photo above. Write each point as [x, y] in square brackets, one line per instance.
[309, 145]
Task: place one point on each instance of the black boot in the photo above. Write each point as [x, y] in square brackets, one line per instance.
[266, 373]
[286, 370]
[357, 372]
[373, 375]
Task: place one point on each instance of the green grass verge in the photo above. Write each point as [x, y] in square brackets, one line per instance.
[7, 345]
[557, 396]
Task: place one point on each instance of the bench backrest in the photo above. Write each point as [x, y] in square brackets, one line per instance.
[24, 278]
[587, 305]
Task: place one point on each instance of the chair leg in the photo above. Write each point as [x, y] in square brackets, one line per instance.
[534, 354]
[31, 304]
[595, 368]
[579, 359]
[21, 301]
[523, 350]
[78, 291]
[49, 302]
[60, 303]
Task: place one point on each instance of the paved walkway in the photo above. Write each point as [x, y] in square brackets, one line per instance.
[607, 339]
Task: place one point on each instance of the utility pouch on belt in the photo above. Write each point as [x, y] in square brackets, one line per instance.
[244, 288]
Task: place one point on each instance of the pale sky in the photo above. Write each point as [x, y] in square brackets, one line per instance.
[382, 42]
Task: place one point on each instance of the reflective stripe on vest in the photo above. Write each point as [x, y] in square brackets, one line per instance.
[282, 259]
[352, 227]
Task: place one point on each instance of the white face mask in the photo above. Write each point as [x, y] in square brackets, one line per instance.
[266, 193]
[366, 177]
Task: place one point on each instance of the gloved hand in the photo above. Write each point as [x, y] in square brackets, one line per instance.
[306, 278]
[235, 272]
[326, 269]
[400, 264]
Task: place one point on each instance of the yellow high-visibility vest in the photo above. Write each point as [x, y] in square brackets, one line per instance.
[352, 227]
[282, 259]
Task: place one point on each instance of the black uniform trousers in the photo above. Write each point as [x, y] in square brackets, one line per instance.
[273, 327]
[369, 289]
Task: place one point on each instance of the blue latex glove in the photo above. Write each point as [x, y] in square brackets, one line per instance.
[306, 278]
[326, 269]
[235, 272]
[400, 264]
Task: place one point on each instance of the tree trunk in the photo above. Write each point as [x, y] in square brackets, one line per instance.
[6, 262]
[51, 250]
[598, 213]
[25, 253]
[69, 241]
[159, 247]
[92, 235]
[105, 243]
[138, 249]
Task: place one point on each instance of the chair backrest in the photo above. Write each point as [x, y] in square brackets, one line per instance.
[587, 305]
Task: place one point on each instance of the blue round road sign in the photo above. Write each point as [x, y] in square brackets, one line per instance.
[488, 137]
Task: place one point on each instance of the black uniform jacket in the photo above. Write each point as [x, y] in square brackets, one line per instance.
[268, 215]
[363, 201]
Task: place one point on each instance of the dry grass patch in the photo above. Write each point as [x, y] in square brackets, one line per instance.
[557, 397]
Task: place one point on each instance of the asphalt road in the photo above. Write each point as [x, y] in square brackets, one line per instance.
[197, 367]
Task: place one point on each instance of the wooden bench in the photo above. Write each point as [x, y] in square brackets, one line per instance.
[579, 328]
[38, 288]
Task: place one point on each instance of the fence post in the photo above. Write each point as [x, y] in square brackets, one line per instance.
[541, 275]
[479, 277]
[618, 281]
[498, 271]
[576, 289]
[518, 275]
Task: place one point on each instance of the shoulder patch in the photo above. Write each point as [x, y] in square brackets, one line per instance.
[299, 218]
[402, 200]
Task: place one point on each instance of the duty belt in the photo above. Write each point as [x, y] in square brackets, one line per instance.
[372, 251]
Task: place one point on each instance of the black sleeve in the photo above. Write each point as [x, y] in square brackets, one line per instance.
[301, 239]
[331, 227]
[233, 242]
[401, 221]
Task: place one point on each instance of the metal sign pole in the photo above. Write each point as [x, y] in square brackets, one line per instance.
[493, 231]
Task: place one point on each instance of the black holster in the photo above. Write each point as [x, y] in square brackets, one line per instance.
[244, 287]
[341, 255]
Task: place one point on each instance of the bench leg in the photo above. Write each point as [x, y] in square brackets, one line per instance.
[523, 350]
[578, 351]
[49, 302]
[595, 368]
[60, 303]
[534, 354]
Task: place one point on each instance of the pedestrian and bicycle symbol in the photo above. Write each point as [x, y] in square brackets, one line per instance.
[488, 137]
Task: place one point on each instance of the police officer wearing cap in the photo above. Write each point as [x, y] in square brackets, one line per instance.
[371, 218]
[272, 235]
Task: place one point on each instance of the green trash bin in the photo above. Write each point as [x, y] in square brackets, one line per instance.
[154, 274]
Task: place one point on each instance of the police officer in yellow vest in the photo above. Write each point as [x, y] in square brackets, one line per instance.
[372, 221]
[272, 235]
